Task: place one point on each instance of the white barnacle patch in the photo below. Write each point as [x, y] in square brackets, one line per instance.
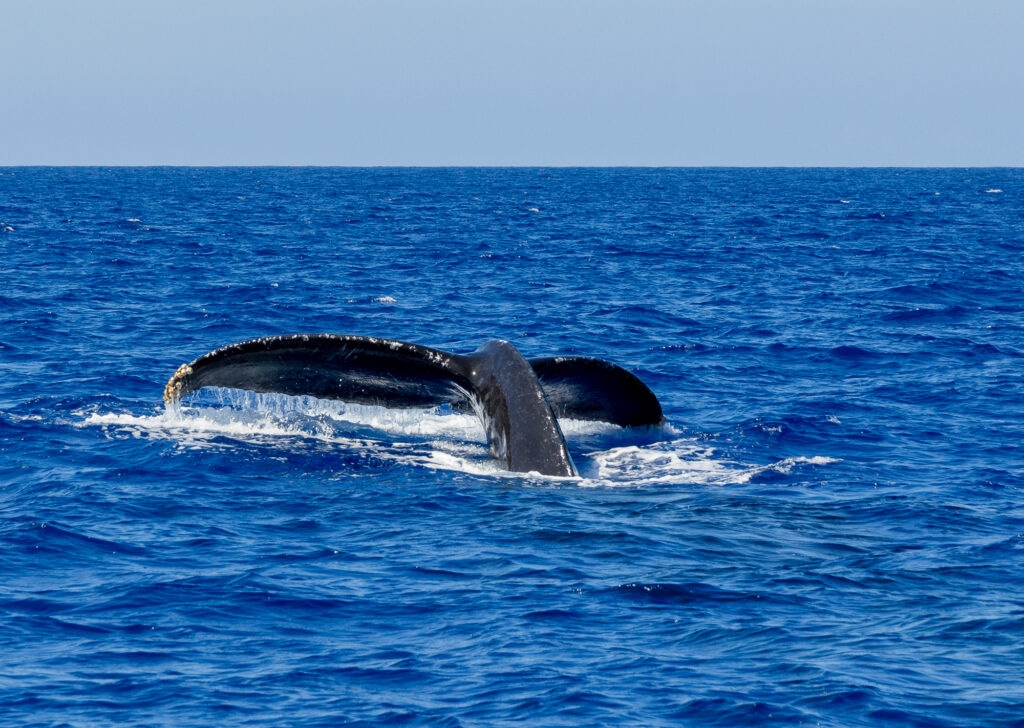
[172, 392]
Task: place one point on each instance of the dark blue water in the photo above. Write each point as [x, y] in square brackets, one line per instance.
[829, 530]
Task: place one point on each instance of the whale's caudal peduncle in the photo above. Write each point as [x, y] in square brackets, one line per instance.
[518, 400]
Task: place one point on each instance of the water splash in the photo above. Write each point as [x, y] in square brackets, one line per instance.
[438, 438]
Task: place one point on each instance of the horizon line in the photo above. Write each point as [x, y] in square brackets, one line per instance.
[511, 166]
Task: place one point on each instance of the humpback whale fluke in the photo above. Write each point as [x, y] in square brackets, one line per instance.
[517, 399]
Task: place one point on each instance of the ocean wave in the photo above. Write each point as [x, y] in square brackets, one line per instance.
[923, 313]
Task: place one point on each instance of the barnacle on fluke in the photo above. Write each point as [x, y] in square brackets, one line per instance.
[518, 400]
[173, 389]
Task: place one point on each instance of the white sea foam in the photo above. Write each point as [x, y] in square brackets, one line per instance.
[239, 412]
[994, 191]
[438, 439]
[676, 461]
[215, 428]
[684, 461]
[23, 418]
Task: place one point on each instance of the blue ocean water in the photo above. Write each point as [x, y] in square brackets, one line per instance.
[828, 531]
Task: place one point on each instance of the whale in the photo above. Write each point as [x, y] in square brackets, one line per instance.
[518, 400]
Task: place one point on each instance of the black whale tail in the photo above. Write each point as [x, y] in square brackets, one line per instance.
[517, 400]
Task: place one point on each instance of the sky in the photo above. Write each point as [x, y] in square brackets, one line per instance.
[520, 82]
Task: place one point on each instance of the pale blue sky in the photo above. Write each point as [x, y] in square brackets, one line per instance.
[460, 82]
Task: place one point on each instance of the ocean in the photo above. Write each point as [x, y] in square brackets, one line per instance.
[827, 530]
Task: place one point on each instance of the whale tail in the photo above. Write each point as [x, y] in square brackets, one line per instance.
[518, 400]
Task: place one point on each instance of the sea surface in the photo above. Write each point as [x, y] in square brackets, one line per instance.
[828, 530]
